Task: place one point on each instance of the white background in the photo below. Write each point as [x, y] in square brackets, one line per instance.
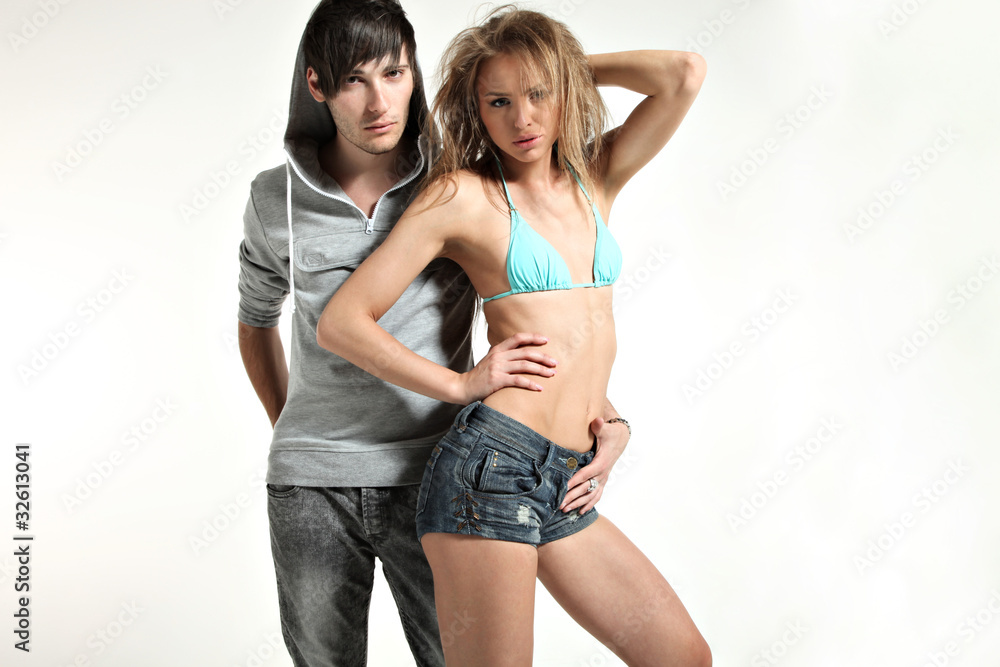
[847, 549]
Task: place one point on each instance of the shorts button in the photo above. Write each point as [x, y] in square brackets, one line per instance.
[571, 463]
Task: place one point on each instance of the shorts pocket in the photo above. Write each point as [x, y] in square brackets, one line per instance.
[498, 471]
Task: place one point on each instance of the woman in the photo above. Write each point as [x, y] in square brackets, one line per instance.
[518, 199]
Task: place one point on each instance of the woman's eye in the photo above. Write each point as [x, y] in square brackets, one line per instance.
[499, 102]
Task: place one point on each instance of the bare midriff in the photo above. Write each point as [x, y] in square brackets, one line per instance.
[581, 332]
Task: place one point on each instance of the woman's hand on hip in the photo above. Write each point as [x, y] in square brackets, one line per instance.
[611, 441]
[507, 364]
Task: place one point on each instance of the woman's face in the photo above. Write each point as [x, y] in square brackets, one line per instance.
[519, 113]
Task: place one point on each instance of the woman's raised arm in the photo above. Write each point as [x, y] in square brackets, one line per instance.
[349, 325]
[670, 80]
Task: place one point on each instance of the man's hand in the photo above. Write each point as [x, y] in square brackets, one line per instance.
[264, 360]
[506, 365]
[611, 441]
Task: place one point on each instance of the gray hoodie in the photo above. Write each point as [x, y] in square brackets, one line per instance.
[341, 426]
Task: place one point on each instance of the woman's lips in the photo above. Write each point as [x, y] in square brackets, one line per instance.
[527, 142]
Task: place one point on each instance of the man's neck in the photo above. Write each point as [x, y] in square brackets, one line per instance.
[355, 169]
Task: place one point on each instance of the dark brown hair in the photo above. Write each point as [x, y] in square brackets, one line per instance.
[342, 34]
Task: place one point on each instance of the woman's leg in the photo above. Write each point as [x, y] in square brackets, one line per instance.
[611, 589]
[484, 591]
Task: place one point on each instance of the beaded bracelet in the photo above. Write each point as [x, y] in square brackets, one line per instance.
[623, 421]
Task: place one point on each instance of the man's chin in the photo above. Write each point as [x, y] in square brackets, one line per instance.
[383, 145]
[380, 150]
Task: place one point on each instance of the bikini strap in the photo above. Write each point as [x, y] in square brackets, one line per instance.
[510, 202]
[580, 183]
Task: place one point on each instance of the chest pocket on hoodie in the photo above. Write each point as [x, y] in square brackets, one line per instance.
[323, 263]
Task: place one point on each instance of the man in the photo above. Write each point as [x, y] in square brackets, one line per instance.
[348, 450]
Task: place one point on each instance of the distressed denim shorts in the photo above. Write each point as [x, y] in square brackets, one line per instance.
[494, 477]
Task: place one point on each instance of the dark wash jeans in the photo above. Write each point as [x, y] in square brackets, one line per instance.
[324, 542]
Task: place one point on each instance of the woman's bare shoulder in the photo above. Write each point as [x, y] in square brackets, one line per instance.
[457, 195]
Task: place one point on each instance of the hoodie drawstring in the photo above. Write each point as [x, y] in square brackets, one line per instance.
[291, 249]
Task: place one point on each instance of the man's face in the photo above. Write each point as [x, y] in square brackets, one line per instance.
[372, 106]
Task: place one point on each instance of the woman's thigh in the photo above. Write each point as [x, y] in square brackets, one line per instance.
[484, 591]
[611, 589]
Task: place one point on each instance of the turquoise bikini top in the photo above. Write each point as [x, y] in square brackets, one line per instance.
[533, 265]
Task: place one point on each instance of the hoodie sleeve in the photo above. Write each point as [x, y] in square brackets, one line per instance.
[263, 281]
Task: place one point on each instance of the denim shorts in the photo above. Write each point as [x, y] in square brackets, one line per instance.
[494, 477]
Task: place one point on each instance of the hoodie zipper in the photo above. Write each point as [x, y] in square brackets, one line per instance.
[369, 222]
[370, 226]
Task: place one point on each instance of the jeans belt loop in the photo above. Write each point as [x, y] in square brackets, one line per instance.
[463, 416]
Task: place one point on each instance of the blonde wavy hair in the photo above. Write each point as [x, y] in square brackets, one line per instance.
[548, 53]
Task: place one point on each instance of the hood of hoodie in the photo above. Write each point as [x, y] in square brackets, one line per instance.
[310, 126]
